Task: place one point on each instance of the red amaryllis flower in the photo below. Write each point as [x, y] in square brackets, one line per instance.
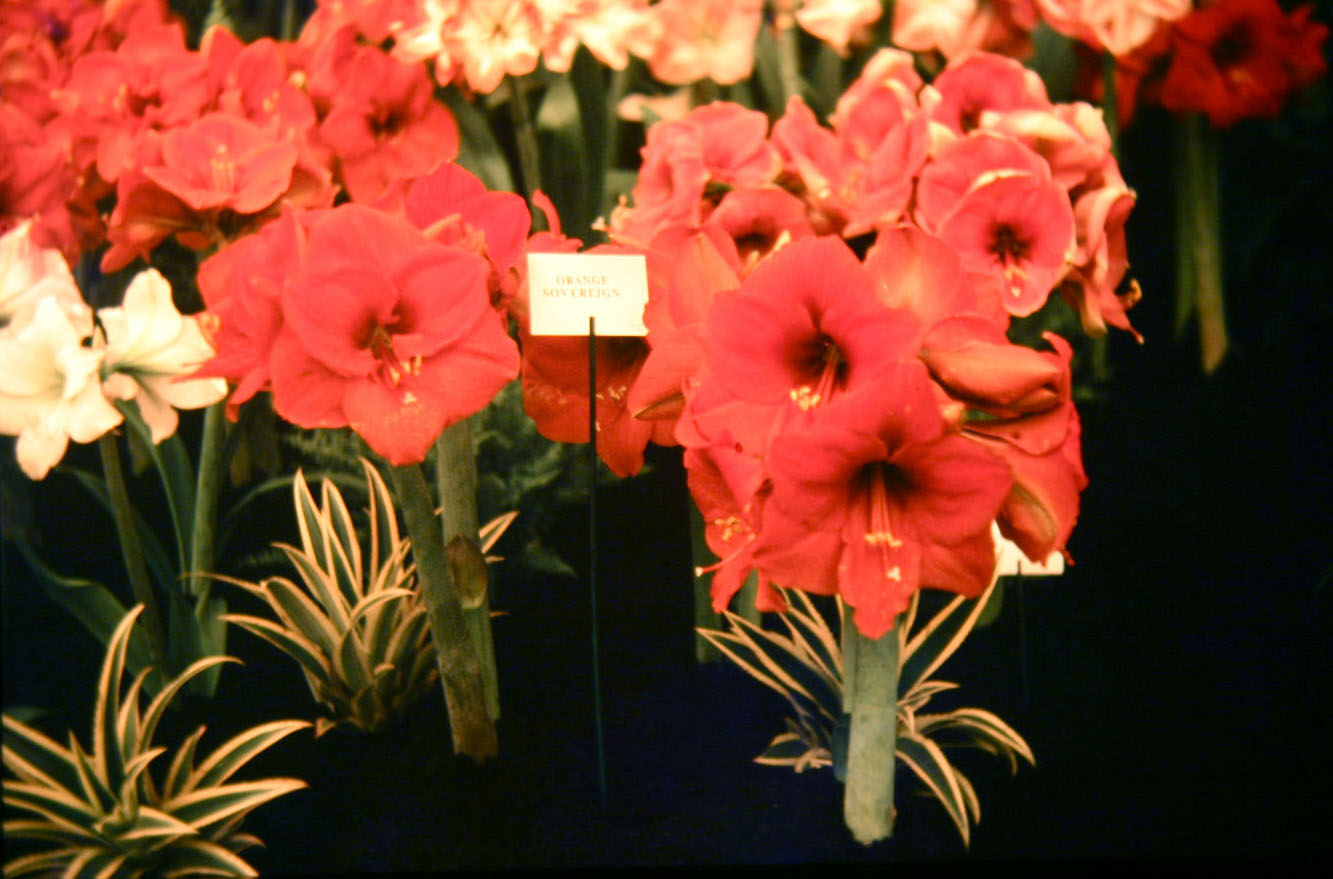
[452, 206]
[992, 200]
[887, 498]
[1241, 58]
[224, 161]
[803, 328]
[917, 272]
[384, 124]
[387, 332]
[982, 82]
[686, 272]
[1018, 405]
[242, 289]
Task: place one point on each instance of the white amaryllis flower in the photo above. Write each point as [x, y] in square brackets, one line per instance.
[50, 385]
[149, 346]
[29, 274]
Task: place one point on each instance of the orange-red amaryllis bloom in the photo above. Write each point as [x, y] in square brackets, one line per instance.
[242, 289]
[384, 124]
[1238, 59]
[806, 326]
[221, 161]
[992, 199]
[387, 332]
[452, 206]
[884, 500]
[1017, 403]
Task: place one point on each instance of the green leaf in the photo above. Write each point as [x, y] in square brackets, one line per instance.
[158, 707]
[95, 864]
[293, 644]
[33, 757]
[925, 758]
[182, 765]
[983, 727]
[300, 614]
[159, 565]
[177, 476]
[54, 804]
[337, 522]
[239, 750]
[478, 150]
[91, 603]
[565, 170]
[202, 808]
[351, 664]
[200, 857]
[106, 751]
[47, 863]
[928, 648]
[320, 584]
[155, 824]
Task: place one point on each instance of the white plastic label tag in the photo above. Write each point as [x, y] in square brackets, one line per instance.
[565, 289]
[1011, 560]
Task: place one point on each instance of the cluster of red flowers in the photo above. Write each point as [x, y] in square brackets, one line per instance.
[379, 317]
[200, 145]
[1228, 59]
[856, 425]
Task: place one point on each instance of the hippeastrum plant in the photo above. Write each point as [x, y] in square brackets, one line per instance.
[807, 667]
[104, 811]
[356, 623]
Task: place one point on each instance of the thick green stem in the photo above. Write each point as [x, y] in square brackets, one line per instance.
[704, 616]
[208, 487]
[1110, 104]
[131, 550]
[456, 479]
[1199, 239]
[525, 138]
[460, 671]
[789, 57]
[870, 695]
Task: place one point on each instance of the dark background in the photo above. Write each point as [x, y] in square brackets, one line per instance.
[1174, 684]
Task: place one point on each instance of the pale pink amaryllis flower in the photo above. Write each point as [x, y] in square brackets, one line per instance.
[50, 385]
[150, 346]
[1119, 26]
[956, 27]
[836, 22]
[612, 30]
[476, 42]
[705, 39]
[30, 273]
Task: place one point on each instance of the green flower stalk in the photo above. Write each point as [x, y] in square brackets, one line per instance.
[870, 696]
[1199, 290]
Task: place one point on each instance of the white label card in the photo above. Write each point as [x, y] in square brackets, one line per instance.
[565, 289]
[1012, 561]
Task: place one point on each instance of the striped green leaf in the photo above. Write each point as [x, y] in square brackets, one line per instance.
[203, 808]
[200, 857]
[239, 750]
[928, 762]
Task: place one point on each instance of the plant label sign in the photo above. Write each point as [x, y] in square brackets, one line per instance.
[1012, 561]
[565, 289]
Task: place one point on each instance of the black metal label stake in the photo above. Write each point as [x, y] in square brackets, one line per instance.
[592, 555]
[564, 290]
